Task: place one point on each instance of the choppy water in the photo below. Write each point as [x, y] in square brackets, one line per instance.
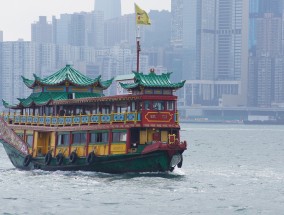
[228, 169]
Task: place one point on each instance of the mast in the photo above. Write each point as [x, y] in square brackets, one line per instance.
[142, 18]
[138, 49]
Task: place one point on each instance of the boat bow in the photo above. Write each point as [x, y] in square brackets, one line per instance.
[10, 137]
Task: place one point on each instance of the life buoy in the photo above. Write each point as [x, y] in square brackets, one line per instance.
[91, 158]
[73, 157]
[27, 160]
[59, 158]
[47, 158]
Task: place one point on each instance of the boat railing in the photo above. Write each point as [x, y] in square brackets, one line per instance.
[87, 119]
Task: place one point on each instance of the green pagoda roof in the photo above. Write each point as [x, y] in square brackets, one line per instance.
[152, 80]
[6, 104]
[67, 75]
[44, 98]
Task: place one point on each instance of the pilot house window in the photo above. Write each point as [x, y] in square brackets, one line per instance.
[159, 105]
[170, 105]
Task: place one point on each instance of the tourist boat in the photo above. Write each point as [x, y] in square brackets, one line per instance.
[68, 124]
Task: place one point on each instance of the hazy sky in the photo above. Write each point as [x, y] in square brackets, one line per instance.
[16, 16]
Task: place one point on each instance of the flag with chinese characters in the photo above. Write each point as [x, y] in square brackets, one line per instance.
[142, 17]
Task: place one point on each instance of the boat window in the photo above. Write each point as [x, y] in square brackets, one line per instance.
[78, 110]
[170, 105]
[79, 138]
[147, 105]
[121, 109]
[119, 136]
[95, 109]
[139, 106]
[105, 109]
[88, 110]
[133, 107]
[36, 112]
[101, 137]
[29, 140]
[48, 111]
[159, 105]
[63, 140]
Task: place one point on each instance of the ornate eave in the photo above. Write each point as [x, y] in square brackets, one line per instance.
[152, 80]
[66, 76]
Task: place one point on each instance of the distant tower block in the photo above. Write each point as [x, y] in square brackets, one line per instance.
[111, 8]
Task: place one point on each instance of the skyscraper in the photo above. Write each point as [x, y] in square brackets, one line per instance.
[110, 8]
[77, 33]
[79, 29]
[121, 30]
[222, 49]
[266, 74]
[182, 56]
[257, 8]
[42, 31]
[61, 28]
[183, 25]
[18, 58]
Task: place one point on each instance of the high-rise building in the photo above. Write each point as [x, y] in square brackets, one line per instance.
[110, 8]
[41, 31]
[183, 23]
[257, 8]
[121, 30]
[182, 55]
[77, 30]
[1, 36]
[278, 85]
[61, 28]
[222, 47]
[96, 33]
[266, 72]
[45, 60]
[18, 59]
[158, 34]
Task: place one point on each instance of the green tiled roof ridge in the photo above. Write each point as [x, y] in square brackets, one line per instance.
[67, 74]
[29, 83]
[44, 98]
[153, 80]
[6, 104]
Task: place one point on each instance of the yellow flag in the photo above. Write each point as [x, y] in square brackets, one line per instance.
[142, 17]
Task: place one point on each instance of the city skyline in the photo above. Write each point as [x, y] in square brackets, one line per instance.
[230, 52]
[17, 16]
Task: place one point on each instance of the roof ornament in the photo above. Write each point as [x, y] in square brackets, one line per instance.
[152, 70]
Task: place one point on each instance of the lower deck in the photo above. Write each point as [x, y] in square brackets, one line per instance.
[102, 142]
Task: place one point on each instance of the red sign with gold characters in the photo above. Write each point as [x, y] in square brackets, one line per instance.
[165, 117]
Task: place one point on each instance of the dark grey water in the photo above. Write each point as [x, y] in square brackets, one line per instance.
[228, 169]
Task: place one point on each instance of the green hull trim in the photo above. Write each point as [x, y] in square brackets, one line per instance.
[157, 161]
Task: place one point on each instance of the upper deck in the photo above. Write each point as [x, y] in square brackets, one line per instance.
[68, 99]
[105, 112]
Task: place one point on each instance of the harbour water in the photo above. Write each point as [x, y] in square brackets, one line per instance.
[227, 169]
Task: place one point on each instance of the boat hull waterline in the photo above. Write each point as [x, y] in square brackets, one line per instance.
[155, 161]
